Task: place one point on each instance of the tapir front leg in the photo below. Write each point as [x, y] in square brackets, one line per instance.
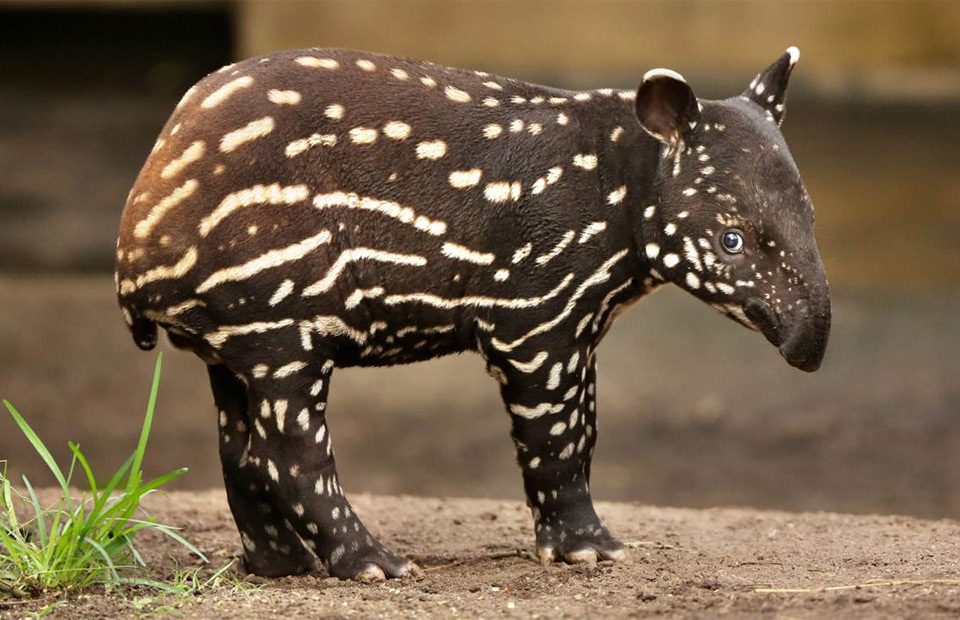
[553, 416]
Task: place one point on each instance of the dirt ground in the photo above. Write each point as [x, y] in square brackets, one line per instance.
[726, 563]
[694, 410]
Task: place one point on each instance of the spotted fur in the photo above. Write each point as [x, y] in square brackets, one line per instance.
[320, 208]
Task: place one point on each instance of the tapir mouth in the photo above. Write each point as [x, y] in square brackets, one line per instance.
[802, 344]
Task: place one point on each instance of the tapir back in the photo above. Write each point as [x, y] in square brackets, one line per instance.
[338, 171]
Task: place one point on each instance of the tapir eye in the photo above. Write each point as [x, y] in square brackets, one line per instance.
[732, 241]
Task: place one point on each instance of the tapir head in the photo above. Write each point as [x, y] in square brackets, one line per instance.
[733, 223]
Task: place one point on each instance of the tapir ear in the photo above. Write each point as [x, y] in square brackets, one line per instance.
[769, 89]
[666, 106]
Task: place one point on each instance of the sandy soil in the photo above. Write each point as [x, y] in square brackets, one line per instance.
[729, 563]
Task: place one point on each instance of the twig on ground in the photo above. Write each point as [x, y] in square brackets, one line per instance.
[872, 583]
[635, 544]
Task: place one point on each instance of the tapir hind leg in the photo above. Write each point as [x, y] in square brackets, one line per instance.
[290, 459]
[270, 549]
[553, 413]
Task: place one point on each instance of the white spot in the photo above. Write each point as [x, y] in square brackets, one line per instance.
[501, 191]
[794, 54]
[317, 63]
[465, 178]
[670, 229]
[562, 119]
[558, 429]
[617, 195]
[272, 470]
[400, 74]
[493, 85]
[587, 162]
[692, 280]
[501, 275]
[492, 131]
[616, 133]
[671, 260]
[283, 97]
[433, 149]
[363, 135]
[455, 94]
[397, 130]
[490, 102]
[366, 65]
[535, 129]
[334, 111]
[690, 191]
[516, 125]
[428, 81]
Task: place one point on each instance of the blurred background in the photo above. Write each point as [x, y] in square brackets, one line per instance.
[694, 410]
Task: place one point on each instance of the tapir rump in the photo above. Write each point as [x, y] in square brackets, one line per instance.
[320, 208]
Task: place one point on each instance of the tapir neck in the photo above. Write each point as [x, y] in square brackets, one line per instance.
[628, 159]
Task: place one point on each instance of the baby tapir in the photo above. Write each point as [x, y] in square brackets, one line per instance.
[319, 208]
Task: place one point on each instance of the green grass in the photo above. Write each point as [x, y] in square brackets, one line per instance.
[78, 543]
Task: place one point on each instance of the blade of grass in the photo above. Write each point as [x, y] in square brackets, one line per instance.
[135, 475]
[38, 446]
[38, 512]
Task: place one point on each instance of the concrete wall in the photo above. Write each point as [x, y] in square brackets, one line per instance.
[909, 49]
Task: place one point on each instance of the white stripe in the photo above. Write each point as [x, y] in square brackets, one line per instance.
[360, 294]
[273, 194]
[601, 275]
[557, 249]
[289, 369]
[553, 381]
[532, 365]
[298, 147]
[593, 229]
[177, 270]
[391, 209]
[458, 252]
[479, 301]
[190, 154]
[146, 225]
[328, 325]
[218, 337]
[250, 131]
[269, 260]
[354, 254]
[221, 94]
[532, 413]
[285, 288]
